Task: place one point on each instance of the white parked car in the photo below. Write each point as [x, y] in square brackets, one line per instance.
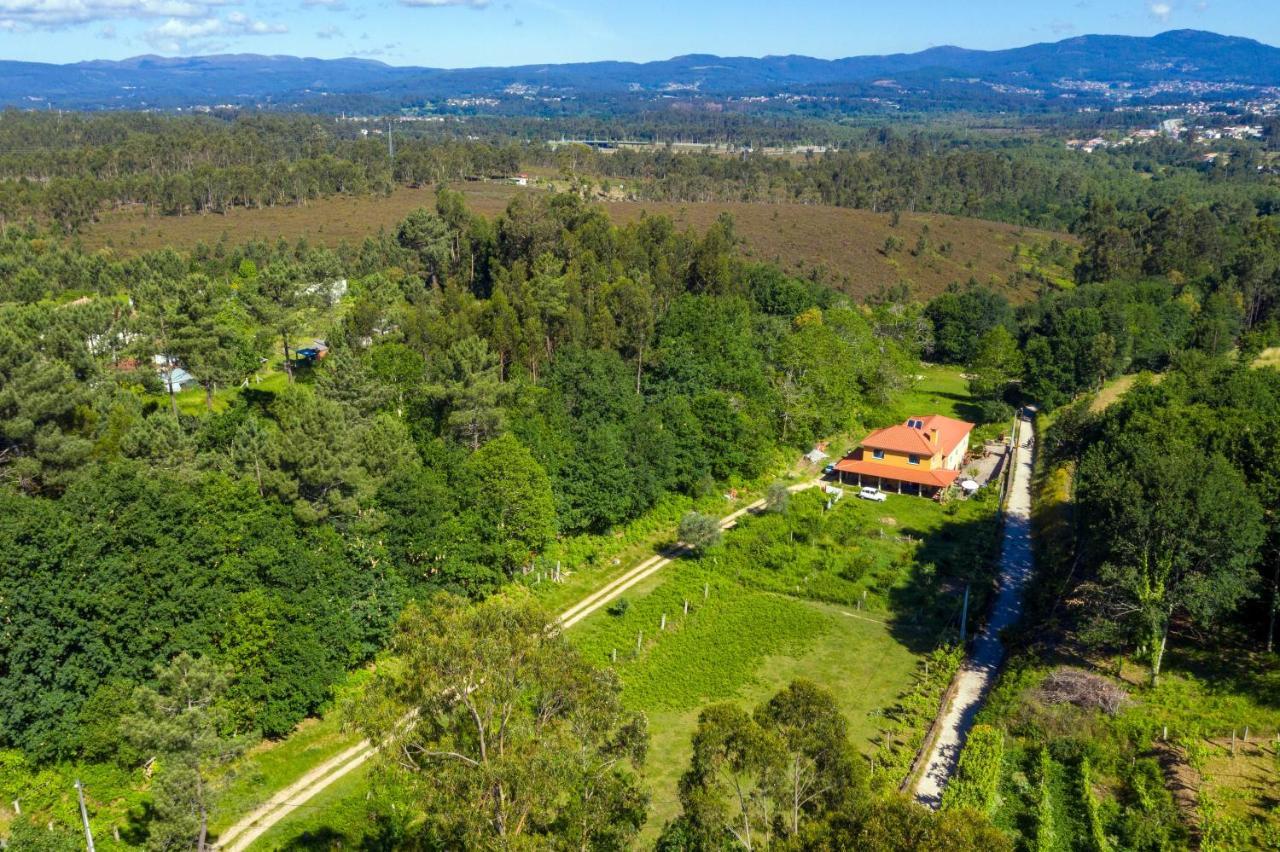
[867, 492]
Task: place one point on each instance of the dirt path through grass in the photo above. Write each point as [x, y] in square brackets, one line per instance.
[253, 825]
[977, 674]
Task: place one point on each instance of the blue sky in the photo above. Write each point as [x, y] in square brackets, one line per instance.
[462, 33]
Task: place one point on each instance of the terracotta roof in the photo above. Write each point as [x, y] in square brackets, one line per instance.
[904, 438]
[936, 478]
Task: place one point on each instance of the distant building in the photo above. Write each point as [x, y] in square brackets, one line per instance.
[922, 456]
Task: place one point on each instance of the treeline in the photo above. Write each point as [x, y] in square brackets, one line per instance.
[70, 168]
[1153, 284]
[488, 387]
[1178, 489]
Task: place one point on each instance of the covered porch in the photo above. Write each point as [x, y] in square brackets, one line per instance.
[892, 478]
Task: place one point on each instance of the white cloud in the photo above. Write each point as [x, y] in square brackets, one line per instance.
[185, 35]
[328, 33]
[435, 4]
[1160, 11]
[52, 14]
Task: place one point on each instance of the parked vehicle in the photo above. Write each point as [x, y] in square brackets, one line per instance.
[828, 470]
[868, 492]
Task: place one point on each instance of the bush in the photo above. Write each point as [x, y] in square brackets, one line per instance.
[1044, 804]
[977, 780]
[699, 531]
[619, 607]
[1097, 837]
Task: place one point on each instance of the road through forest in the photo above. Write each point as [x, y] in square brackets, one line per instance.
[976, 676]
[253, 825]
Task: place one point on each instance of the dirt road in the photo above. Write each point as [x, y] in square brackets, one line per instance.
[978, 672]
[253, 825]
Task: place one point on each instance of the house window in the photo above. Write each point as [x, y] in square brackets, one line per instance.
[913, 459]
[877, 454]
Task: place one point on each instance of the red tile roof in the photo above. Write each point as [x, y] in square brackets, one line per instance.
[936, 478]
[902, 438]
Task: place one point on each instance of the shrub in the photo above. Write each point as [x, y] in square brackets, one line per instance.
[699, 531]
[619, 607]
[977, 780]
[1044, 804]
[1097, 837]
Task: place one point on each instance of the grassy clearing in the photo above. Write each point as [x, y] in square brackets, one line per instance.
[1269, 358]
[858, 659]
[846, 245]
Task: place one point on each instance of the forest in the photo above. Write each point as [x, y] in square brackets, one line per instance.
[238, 478]
[69, 169]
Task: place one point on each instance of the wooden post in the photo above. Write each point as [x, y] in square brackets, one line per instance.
[615, 655]
[706, 590]
[686, 606]
[663, 625]
[639, 640]
[1233, 742]
[1165, 737]
[1246, 734]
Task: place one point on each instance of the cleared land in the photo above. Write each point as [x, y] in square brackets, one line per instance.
[773, 611]
[845, 246]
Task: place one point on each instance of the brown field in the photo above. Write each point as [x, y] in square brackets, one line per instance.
[845, 246]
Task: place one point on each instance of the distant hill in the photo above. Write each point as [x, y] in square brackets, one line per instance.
[1092, 67]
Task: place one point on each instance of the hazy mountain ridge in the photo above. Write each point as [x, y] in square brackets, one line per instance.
[1175, 56]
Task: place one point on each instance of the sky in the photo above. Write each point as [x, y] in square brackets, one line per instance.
[467, 33]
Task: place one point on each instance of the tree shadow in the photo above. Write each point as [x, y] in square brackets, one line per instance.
[137, 826]
[929, 606]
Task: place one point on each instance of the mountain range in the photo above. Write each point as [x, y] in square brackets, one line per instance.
[1081, 69]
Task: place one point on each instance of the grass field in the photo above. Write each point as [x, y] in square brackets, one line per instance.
[846, 245]
[745, 640]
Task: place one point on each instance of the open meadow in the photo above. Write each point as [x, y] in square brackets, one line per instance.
[857, 250]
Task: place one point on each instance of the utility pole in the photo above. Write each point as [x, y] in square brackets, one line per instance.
[84, 816]
[391, 142]
[964, 614]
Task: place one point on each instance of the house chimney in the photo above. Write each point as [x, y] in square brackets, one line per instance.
[933, 436]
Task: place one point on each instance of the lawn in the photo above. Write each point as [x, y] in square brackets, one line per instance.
[857, 658]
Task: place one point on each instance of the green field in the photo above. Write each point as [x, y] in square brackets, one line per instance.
[745, 640]
[764, 610]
